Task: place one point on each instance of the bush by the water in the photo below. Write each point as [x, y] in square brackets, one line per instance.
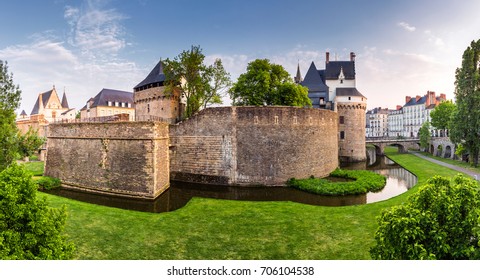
[363, 181]
[48, 183]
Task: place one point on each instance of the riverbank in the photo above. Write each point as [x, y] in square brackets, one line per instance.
[224, 229]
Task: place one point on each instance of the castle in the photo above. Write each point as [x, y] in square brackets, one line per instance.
[247, 145]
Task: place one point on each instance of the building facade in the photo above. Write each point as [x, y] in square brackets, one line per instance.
[377, 122]
[109, 102]
[407, 120]
[152, 102]
[334, 88]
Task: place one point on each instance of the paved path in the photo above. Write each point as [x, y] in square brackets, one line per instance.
[474, 174]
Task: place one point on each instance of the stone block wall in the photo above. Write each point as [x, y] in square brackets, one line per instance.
[352, 147]
[125, 158]
[254, 145]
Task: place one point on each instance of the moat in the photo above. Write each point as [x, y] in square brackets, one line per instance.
[399, 180]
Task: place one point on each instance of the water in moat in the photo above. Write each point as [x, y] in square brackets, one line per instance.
[179, 194]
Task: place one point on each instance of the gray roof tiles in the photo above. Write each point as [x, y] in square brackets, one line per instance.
[112, 95]
[156, 76]
[313, 80]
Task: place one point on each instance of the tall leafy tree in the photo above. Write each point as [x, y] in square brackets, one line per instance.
[266, 83]
[201, 85]
[424, 134]
[442, 114]
[465, 125]
[29, 142]
[10, 96]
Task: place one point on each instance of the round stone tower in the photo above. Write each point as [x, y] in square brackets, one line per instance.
[351, 106]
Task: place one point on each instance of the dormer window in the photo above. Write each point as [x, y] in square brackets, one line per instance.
[341, 76]
[109, 103]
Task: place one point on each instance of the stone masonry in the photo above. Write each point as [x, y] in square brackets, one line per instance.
[124, 158]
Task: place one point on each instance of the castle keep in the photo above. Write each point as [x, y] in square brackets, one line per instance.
[223, 145]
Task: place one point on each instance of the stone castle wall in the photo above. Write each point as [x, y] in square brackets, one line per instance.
[254, 145]
[154, 102]
[125, 158]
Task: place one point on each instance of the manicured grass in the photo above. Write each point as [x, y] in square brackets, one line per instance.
[363, 181]
[34, 167]
[223, 229]
[453, 162]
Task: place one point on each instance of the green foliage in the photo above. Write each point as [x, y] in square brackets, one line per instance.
[29, 142]
[465, 125]
[266, 83]
[200, 84]
[48, 183]
[9, 101]
[424, 133]
[442, 114]
[29, 229]
[440, 221]
[364, 181]
[35, 168]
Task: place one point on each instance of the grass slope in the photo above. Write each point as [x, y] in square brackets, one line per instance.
[223, 229]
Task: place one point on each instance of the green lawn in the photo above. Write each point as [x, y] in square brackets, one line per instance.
[453, 162]
[223, 229]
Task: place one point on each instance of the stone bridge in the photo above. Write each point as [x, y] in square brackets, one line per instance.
[442, 147]
[402, 144]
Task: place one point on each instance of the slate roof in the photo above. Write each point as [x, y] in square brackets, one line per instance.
[349, 92]
[332, 70]
[156, 76]
[105, 95]
[23, 113]
[414, 101]
[45, 96]
[313, 80]
[64, 101]
[66, 112]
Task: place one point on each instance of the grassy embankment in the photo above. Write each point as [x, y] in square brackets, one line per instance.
[223, 229]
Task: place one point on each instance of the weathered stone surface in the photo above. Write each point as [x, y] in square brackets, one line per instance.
[254, 145]
[129, 158]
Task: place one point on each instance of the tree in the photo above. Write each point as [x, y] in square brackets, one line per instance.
[10, 95]
[424, 133]
[29, 229]
[30, 142]
[266, 83]
[440, 221]
[442, 114]
[465, 125]
[200, 84]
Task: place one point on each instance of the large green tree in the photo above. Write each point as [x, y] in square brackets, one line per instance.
[29, 229]
[200, 84]
[10, 95]
[465, 125]
[442, 114]
[424, 134]
[440, 221]
[266, 83]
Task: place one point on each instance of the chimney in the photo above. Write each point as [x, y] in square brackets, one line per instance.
[399, 107]
[427, 102]
[418, 97]
[407, 99]
[327, 58]
[352, 56]
[443, 96]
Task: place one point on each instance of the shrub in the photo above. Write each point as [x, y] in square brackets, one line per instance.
[29, 228]
[363, 181]
[48, 183]
[440, 221]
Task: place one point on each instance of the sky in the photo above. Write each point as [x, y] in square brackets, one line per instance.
[402, 48]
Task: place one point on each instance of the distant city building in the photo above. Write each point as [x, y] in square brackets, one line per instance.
[406, 120]
[377, 122]
[109, 102]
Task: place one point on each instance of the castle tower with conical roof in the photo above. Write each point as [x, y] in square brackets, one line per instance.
[151, 100]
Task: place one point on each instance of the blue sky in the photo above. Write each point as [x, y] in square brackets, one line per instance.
[402, 47]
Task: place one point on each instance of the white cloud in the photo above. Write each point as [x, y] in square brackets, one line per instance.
[406, 26]
[437, 41]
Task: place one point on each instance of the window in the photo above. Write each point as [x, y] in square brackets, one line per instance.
[349, 98]
[109, 103]
[148, 108]
[342, 120]
[116, 104]
[342, 134]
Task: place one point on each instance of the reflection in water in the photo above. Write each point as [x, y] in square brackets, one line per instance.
[399, 180]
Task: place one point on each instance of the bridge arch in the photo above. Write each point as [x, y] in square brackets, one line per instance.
[448, 152]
